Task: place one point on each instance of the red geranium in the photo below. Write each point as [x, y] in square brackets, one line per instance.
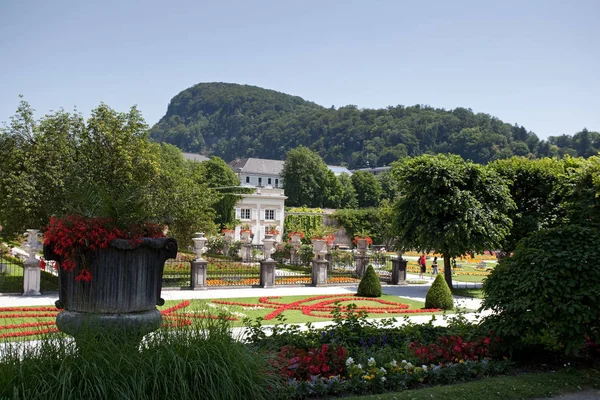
[367, 238]
[296, 234]
[73, 236]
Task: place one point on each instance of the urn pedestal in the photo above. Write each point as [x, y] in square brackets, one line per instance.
[119, 302]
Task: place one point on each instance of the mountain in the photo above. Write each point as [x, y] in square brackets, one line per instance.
[230, 121]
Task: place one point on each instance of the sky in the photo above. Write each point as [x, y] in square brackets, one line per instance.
[535, 62]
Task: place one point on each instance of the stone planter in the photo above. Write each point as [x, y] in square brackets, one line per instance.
[119, 303]
[319, 248]
[362, 245]
[245, 236]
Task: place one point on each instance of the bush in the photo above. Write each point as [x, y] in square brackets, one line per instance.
[306, 254]
[548, 292]
[215, 244]
[439, 295]
[234, 249]
[369, 285]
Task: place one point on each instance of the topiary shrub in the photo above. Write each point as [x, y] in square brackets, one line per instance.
[548, 292]
[369, 285]
[439, 295]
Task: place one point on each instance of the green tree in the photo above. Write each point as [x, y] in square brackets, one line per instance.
[304, 175]
[450, 206]
[536, 187]
[367, 188]
[218, 175]
[63, 164]
[333, 191]
[349, 194]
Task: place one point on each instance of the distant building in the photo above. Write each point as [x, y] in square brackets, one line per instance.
[374, 171]
[258, 172]
[338, 170]
[262, 209]
[195, 157]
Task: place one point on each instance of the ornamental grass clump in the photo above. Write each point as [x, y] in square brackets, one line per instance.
[369, 285]
[201, 361]
[439, 295]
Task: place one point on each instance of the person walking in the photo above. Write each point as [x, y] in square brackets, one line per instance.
[434, 266]
[422, 264]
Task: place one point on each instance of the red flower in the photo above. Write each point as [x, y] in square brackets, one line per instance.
[84, 275]
[42, 264]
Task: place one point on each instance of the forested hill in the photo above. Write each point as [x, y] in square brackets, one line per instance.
[231, 120]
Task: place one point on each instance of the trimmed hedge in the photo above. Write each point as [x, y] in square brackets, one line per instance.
[369, 285]
[439, 295]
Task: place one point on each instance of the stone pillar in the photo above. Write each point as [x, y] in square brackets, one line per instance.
[267, 273]
[319, 272]
[198, 278]
[246, 252]
[398, 271]
[361, 264]
[31, 267]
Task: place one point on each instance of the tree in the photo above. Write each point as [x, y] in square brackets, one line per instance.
[367, 188]
[62, 164]
[218, 175]
[450, 206]
[304, 175]
[535, 187]
[349, 194]
[333, 191]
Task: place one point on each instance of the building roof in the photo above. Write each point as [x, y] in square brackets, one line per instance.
[256, 166]
[338, 170]
[195, 157]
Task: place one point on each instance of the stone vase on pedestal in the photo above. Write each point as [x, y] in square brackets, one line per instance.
[119, 302]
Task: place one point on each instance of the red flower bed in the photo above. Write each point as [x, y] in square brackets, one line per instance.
[326, 361]
[451, 349]
[171, 315]
[326, 306]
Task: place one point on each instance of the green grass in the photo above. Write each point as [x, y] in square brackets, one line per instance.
[526, 386]
[474, 293]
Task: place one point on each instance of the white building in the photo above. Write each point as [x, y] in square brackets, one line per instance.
[262, 209]
[258, 172]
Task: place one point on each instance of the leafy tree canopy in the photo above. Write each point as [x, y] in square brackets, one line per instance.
[450, 206]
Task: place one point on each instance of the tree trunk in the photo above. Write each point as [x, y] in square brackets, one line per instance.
[447, 270]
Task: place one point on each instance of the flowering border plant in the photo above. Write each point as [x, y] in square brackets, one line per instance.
[73, 236]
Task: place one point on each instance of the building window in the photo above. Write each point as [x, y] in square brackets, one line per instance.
[259, 181]
[247, 179]
[245, 213]
[276, 182]
[269, 181]
[270, 214]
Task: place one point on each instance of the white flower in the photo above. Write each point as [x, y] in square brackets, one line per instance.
[409, 365]
[359, 366]
[403, 361]
[383, 379]
[383, 370]
[349, 361]
[424, 368]
[394, 363]
[371, 362]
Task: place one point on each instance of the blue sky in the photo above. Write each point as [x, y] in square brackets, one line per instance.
[535, 63]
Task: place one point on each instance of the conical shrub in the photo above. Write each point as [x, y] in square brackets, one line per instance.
[439, 295]
[369, 285]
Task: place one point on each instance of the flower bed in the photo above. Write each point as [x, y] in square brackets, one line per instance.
[323, 306]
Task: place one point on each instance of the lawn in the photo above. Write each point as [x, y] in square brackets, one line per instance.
[26, 322]
[306, 308]
[525, 386]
